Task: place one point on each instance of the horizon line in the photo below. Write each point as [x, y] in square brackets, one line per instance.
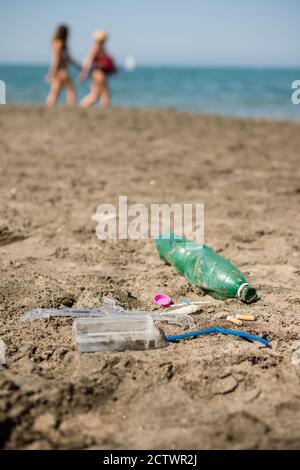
[173, 65]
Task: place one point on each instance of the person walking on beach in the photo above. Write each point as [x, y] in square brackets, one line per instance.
[58, 75]
[99, 65]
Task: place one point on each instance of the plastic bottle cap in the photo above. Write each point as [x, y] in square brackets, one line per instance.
[162, 299]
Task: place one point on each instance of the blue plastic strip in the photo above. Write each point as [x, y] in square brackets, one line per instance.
[194, 334]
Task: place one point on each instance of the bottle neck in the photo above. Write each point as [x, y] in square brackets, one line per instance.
[246, 293]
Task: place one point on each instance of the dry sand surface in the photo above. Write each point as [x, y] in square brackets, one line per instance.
[212, 392]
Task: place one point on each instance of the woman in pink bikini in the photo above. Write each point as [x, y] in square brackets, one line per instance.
[99, 65]
[58, 75]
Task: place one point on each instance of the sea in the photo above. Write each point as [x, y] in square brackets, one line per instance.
[241, 92]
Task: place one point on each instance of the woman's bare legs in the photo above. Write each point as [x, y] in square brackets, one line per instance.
[99, 89]
[92, 97]
[105, 97]
[61, 80]
[71, 93]
[54, 93]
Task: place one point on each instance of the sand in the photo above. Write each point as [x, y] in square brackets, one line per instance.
[214, 392]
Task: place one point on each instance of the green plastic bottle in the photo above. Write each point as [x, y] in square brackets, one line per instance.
[204, 268]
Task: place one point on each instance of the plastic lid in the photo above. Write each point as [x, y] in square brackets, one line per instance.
[162, 299]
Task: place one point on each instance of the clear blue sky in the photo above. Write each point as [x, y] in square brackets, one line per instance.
[201, 32]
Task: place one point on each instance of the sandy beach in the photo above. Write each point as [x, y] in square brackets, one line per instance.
[214, 392]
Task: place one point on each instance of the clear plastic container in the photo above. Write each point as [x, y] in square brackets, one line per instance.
[117, 333]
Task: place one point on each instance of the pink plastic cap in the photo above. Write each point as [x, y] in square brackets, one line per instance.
[162, 299]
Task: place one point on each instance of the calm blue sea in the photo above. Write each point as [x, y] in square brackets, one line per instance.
[227, 91]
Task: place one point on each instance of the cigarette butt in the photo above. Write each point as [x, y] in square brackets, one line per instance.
[245, 317]
[234, 320]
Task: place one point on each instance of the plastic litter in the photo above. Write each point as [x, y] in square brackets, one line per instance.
[2, 353]
[204, 268]
[189, 302]
[183, 310]
[117, 333]
[44, 313]
[162, 299]
[194, 334]
[109, 307]
[176, 317]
